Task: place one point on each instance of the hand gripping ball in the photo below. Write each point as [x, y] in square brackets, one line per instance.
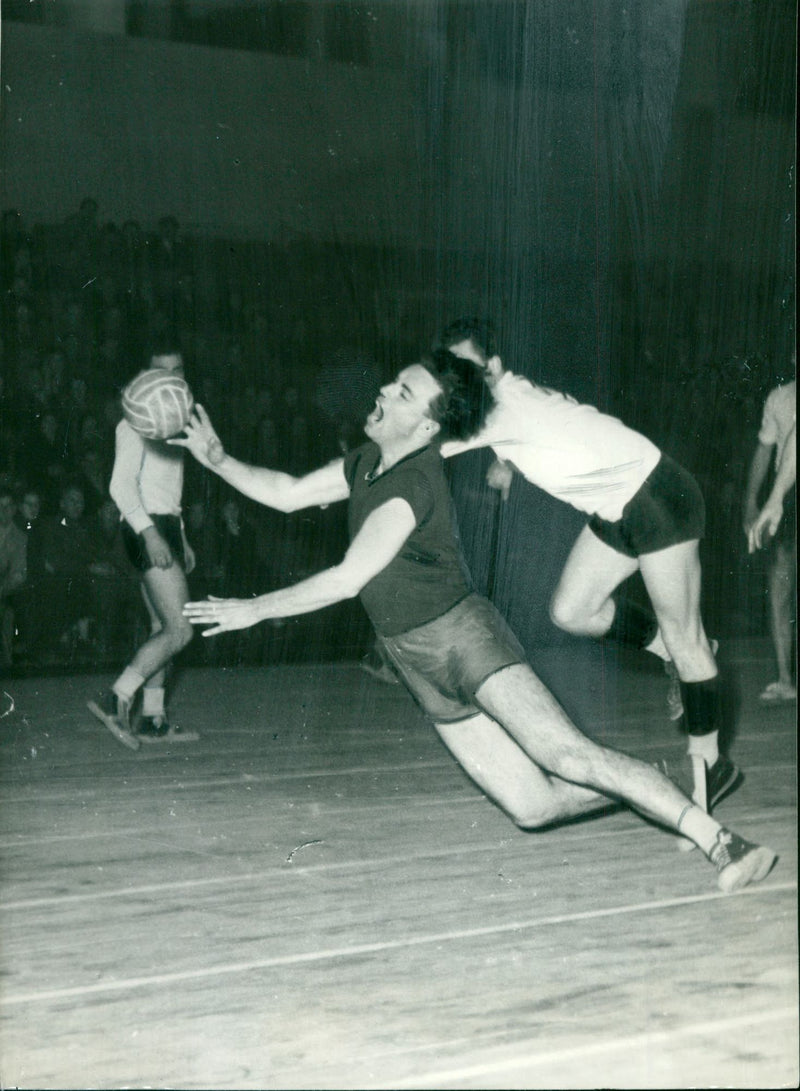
[157, 403]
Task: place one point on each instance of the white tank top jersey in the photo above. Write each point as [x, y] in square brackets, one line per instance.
[573, 452]
[147, 478]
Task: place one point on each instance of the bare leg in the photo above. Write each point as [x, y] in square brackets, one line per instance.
[672, 578]
[520, 703]
[165, 594]
[508, 776]
[582, 601]
[781, 579]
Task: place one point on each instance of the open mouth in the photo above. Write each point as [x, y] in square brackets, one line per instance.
[376, 414]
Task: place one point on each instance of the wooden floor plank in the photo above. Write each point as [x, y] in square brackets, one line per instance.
[315, 896]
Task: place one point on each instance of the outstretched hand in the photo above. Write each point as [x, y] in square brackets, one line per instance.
[200, 438]
[224, 615]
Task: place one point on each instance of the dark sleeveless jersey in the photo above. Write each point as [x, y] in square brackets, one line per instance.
[429, 575]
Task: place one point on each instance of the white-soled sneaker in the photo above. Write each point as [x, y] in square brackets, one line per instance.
[738, 862]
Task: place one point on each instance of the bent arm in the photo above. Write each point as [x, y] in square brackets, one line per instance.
[770, 516]
[762, 457]
[453, 447]
[271, 488]
[124, 486]
[377, 543]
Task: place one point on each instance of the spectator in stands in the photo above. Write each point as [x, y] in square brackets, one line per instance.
[116, 606]
[46, 463]
[29, 510]
[92, 474]
[63, 597]
[13, 571]
[29, 521]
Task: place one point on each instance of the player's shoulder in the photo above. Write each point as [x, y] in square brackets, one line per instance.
[786, 392]
[123, 431]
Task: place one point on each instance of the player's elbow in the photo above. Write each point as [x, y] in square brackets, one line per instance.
[289, 496]
[346, 581]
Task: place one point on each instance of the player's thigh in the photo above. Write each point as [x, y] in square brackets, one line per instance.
[518, 700]
[493, 759]
[592, 572]
[166, 592]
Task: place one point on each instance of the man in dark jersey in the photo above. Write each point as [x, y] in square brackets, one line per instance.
[450, 646]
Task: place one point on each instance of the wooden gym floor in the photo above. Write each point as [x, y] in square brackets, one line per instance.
[314, 896]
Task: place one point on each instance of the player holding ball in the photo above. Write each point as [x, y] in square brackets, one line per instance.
[147, 486]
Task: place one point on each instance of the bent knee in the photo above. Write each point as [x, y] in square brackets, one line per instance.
[529, 813]
[179, 633]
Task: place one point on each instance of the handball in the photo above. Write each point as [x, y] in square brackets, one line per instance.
[157, 404]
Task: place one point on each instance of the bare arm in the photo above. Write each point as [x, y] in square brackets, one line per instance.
[770, 516]
[378, 542]
[762, 457]
[124, 490]
[124, 485]
[499, 475]
[269, 487]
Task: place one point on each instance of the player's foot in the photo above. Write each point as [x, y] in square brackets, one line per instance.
[155, 729]
[722, 778]
[152, 727]
[115, 714]
[778, 693]
[738, 862]
[674, 698]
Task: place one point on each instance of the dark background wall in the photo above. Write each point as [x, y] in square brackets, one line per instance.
[615, 185]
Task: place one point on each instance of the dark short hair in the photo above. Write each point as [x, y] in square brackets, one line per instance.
[164, 342]
[465, 399]
[480, 331]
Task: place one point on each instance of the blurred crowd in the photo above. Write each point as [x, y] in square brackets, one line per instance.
[81, 301]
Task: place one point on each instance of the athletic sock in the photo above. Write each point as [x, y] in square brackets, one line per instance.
[153, 701]
[699, 827]
[633, 625]
[705, 747]
[128, 683]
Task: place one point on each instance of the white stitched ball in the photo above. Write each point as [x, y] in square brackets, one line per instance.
[157, 403]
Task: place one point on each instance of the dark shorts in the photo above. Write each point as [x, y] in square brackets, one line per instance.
[667, 509]
[169, 527]
[445, 662]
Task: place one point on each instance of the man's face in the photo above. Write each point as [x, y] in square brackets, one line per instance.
[31, 506]
[466, 350]
[403, 407]
[72, 504]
